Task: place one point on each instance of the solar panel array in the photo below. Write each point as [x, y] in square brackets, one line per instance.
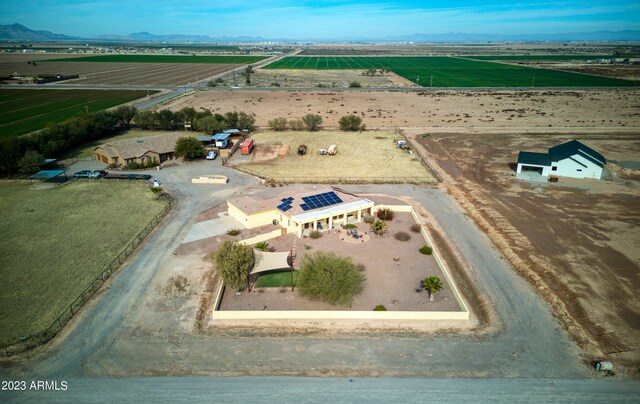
[286, 204]
[320, 201]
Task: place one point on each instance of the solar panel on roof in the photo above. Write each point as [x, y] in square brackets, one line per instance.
[286, 208]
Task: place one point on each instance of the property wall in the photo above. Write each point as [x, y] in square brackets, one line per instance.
[262, 237]
[570, 168]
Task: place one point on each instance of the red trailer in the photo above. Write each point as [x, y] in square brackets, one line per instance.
[247, 146]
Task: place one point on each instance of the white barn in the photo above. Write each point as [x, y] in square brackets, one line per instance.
[572, 159]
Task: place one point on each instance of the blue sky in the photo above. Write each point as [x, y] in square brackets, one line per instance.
[323, 19]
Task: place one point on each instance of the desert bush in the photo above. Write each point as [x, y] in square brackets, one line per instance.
[312, 122]
[379, 308]
[275, 84]
[368, 219]
[350, 122]
[415, 228]
[233, 262]
[296, 124]
[308, 246]
[315, 234]
[278, 124]
[402, 236]
[379, 227]
[348, 226]
[355, 84]
[233, 232]
[426, 250]
[176, 286]
[262, 246]
[329, 278]
[385, 214]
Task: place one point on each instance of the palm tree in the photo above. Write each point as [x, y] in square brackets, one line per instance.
[379, 227]
[262, 246]
[433, 285]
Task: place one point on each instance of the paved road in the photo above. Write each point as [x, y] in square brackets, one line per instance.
[113, 338]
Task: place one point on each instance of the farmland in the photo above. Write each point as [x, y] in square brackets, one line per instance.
[52, 251]
[24, 111]
[539, 57]
[165, 59]
[453, 72]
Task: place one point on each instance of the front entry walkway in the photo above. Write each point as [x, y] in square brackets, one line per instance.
[211, 228]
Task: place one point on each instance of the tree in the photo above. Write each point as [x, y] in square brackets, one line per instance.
[187, 115]
[247, 74]
[371, 72]
[329, 278]
[296, 124]
[350, 122]
[245, 121]
[189, 148]
[146, 119]
[167, 120]
[233, 262]
[124, 115]
[433, 285]
[278, 124]
[30, 162]
[312, 122]
[231, 119]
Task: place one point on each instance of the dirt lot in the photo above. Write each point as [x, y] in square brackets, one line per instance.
[114, 73]
[577, 241]
[435, 110]
[626, 71]
[371, 156]
[294, 78]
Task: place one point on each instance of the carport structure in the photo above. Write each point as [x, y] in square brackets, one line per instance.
[52, 176]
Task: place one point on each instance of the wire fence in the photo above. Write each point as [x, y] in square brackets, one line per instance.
[22, 344]
[278, 179]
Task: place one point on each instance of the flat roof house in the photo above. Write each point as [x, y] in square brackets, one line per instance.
[153, 148]
[295, 213]
[571, 159]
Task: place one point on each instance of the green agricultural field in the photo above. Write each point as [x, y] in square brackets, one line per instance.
[166, 59]
[540, 57]
[24, 111]
[453, 72]
[56, 241]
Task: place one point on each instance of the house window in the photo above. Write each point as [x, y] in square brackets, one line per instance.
[554, 168]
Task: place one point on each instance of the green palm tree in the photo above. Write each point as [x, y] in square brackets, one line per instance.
[433, 285]
[379, 227]
[262, 246]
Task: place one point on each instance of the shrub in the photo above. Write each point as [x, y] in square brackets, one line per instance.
[312, 122]
[379, 308]
[278, 124]
[296, 124]
[385, 214]
[350, 122]
[132, 165]
[368, 219]
[233, 232]
[329, 278]
[219, 80]
[275, 84]
[315, 234]
[355, 84]
[189, 148]
[262, 246]
[308, 246]
[233, 262]
[402, 236]
[211, 83]
[379, 227]
[349, 226]
[426, 250]
[415, 228]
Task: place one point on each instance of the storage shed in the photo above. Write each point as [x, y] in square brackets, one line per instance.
[221, 140]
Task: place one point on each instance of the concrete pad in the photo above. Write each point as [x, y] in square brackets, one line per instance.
[211, 228]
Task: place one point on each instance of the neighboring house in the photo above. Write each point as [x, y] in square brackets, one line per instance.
[295, 213]
[572, 159]
[149, 149]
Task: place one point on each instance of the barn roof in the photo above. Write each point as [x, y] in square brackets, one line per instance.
[568, 149]
[532, 158]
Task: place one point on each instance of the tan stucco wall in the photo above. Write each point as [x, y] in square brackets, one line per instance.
[253, 220]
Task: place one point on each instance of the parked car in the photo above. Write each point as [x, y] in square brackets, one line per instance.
[83, 174]
[323, 151]
[212, 155]
[98, 174]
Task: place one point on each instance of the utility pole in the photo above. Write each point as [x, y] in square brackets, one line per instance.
[533, 80]
[431, 85]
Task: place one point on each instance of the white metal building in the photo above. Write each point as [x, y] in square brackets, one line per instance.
[572, 159]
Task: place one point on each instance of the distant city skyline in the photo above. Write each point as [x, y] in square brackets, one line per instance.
[321, 20]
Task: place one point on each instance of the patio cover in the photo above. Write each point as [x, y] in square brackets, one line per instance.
[270, 261]
[46, 174]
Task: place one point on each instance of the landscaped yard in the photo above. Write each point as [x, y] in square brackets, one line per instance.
[369, 156]
[56, 241]
[276, 279]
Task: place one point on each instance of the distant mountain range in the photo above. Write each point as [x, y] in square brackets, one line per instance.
[20, 32]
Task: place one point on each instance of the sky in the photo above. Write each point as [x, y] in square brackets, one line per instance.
[321, 19]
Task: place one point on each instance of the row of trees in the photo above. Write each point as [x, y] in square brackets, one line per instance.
[312, 122]
[201, 121]
[24, 154]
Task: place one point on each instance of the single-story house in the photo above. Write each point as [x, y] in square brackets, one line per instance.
[221, 140]
[153, 148]
[571, 159]
[294, 213]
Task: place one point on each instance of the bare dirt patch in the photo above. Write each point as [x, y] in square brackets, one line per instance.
[576, 241]
[435, 110]
[306, 78]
